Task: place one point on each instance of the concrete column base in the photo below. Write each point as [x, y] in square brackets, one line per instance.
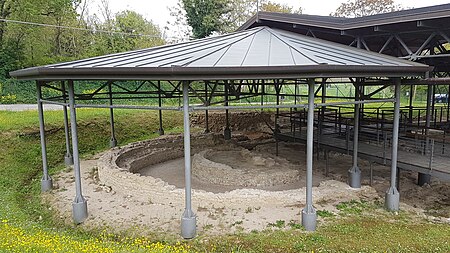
[309, 218]
[423, 179]
[354, 177]
[392, 199]
[68, 159]
[46, 183]
[113, 143]
[227, 133]
[79, 210]
[188, 225]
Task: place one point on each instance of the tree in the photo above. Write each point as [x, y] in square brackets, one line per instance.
[127, 30]
[276, 7]
[66, 32]
[130, 22]
[205, 16]
[240, 12]
[5, 11]
[359, 8]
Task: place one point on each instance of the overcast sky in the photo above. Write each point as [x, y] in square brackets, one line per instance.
[157, 10]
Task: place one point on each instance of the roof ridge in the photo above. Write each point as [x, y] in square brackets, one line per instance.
[248, 49]
[289, 45]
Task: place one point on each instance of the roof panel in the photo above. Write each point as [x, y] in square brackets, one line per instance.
[279, 53]
[258, 54]
[252, 51]
[209, 60]
[302, 58]
[236, 53]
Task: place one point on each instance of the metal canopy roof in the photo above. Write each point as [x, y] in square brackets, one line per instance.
[414, 26]
[261, 52]
[341, 23]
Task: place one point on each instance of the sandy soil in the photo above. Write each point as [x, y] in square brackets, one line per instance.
[152, 200]
[146, 195]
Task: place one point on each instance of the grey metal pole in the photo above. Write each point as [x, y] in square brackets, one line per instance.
[322, 116]
[68, 159]
[354, 173]
[309, 216]
[161, 129]
[206, 111]
[410, 113]
[262, 94]
[448, 103]
[392, 195]
[422, 177]
[227, 131]
[79, 205]
[189, 219]
[46, 180]
[277, 127]
[113, 141]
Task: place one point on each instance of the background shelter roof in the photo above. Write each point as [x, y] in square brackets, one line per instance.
[342, 23]
[258, 53]
[413, 26]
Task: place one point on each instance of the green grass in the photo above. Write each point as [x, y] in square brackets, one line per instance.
[27, 225]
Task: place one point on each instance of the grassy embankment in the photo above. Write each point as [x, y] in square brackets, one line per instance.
[26, 223]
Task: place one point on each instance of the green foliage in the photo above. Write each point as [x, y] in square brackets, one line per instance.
[205, 16]
[295, 225]
[226, 17]
[21, 208]
[276, 7]
[24, 91]
[278, 224]
[324, 213]
[125, 22]
[8, 99]
[352, 207]
[360, 8]
[28, 45]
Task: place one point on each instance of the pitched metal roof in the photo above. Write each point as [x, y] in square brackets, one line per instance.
[340, 23]
[261, 52]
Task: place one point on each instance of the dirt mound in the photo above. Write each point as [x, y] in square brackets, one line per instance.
[242, 167]
[239, 121]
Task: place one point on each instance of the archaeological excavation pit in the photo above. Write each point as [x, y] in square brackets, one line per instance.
[217, 165]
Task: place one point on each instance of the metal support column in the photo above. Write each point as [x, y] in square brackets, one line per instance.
[321, 117]
[411, 96]
[68, 159]
[227, 130]
[448, 104]
[46, 180]
[277, 126]
[161, 129]
[79, 205]
[354, 173]
[262, 94]
[392, 195]
[188, 220]
[206, 111]
[113, 141]
[309, 216]
[422, 177]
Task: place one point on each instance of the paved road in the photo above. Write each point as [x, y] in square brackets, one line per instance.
[27, 107]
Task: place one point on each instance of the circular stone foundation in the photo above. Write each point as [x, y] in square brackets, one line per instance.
[242, 168]
[217, 166]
